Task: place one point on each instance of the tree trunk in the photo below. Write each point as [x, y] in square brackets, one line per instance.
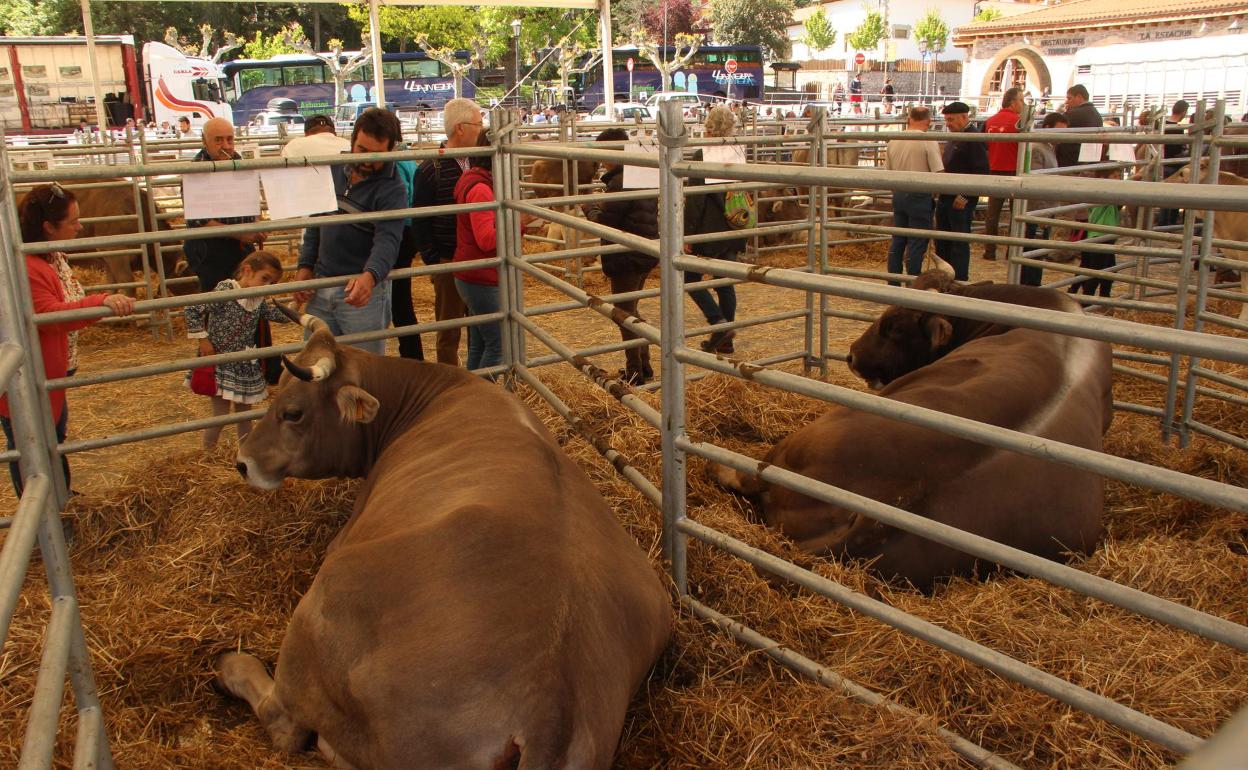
[316, 28]
[510, 75]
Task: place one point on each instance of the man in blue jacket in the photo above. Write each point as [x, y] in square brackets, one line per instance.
[366, 251]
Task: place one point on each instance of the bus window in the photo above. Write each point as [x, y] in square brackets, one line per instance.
[231, 93]
[303, 74]
[423, 68]
[205, 90]
[392, 70]
[261, 76]
[365, 72]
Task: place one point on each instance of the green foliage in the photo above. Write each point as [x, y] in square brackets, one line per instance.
[26, 17]
[267, 46]
[988, 14]
[869, 33]
[932, 30]
[753, 22]
[446, 26]
[820, 34]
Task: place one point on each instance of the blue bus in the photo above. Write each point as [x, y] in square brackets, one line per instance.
[412, 80]
[704, 74]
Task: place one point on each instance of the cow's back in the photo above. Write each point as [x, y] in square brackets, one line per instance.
[501, 584]
[1025, 380]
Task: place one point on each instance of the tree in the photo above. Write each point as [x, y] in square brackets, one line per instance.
[683, 17]
[685, 47]
[476, 58]
[869, 33]
[204, 48]
[820, 34]
[443, 26]
[289, 40]
[753, 22]
[26, 17]
[931, 32]
[988, 14]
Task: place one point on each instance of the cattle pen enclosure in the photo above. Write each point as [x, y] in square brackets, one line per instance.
[178, 560]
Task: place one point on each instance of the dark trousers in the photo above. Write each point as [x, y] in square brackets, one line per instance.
[636, 360]
[447, 305]
[951, 220]
[909, 210]
[1033, 276]
[992, 219]
[213, 260]
[726, 309]
[1093, 284]
[15, 471]
[1166, 217]
[402, 313]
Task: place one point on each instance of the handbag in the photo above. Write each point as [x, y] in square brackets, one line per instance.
[203, 380]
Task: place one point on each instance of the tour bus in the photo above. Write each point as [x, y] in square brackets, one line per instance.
[704, 74]
[1158, 74]
[182, 86]
[412, 80]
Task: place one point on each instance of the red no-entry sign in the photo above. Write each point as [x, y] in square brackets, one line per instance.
[860, 58]
[630, 64]
[730, 66]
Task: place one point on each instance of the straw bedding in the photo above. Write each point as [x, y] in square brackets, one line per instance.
[176, 561]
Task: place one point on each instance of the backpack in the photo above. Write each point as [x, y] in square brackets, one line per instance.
[739, 210]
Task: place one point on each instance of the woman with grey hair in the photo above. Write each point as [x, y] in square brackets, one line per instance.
[705, 214]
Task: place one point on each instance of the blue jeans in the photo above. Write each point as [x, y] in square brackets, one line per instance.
[726, 309]
[15, 471]
[909, 210]
[330, 306]
[951, 220]
[485, 341]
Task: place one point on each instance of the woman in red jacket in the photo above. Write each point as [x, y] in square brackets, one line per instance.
[475, 238]
[50, 213]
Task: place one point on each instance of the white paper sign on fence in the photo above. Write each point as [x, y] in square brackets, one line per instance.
[1122, 153]
[221, 194]
[724, 153]
[299, 191]
[1090, 153]
[641, 177]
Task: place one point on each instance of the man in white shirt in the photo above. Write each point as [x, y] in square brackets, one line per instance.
[319, 138]
[912, 209]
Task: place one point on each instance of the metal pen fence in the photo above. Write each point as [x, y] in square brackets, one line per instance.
[819, 280]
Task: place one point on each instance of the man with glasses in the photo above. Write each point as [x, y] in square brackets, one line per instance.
[435, 236]
[215, 259]
[366, 251]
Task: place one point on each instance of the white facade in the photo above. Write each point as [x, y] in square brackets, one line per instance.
[901, 16]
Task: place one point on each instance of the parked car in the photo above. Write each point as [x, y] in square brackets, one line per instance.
[623, 111]
[346, 113]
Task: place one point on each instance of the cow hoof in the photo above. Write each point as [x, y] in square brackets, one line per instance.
[233, 670]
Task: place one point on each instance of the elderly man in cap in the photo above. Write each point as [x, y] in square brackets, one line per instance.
[955, 212]
[319, 138]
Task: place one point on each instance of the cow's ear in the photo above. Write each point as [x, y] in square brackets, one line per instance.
[356, 404]
[939, 331]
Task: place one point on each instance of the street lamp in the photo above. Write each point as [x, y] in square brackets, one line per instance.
[515, 35]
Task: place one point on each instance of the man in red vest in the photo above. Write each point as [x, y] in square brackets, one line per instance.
[1002, 158]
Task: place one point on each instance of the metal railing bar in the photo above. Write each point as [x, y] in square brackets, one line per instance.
[18, 545]
[997, 662]
[87, 744]
[40, 738]
[11, 356]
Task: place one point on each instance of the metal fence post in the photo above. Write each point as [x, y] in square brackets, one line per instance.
[1202, 272]
[671, 134]
[508, 233]
[815, 127]
[510, 165]
[1185, 276]
[140, 227]
[162, 288]
[1019, 206]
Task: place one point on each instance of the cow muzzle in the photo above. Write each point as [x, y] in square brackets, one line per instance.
[252, 475]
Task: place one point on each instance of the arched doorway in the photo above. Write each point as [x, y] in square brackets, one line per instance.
[1018, 66]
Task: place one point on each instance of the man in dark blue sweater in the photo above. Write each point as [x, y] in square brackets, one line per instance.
[366, 250]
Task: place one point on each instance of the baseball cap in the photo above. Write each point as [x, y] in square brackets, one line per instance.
[956, 108]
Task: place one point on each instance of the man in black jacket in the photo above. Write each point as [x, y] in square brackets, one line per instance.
[1080, 113]
[955, 212]
[627, 271]
[435, 236]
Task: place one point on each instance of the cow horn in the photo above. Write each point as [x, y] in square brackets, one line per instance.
[943, 266]
[309, 322]
[321, 370]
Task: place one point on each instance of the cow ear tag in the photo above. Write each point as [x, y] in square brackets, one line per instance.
[356, 404]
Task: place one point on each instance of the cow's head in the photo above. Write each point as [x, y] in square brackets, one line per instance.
[901, 339]
[1184, 174]
[311, 429]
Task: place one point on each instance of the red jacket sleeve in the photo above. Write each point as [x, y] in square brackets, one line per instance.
[47, 293]
[482, 221]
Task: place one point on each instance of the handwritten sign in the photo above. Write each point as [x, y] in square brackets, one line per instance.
[221, 194]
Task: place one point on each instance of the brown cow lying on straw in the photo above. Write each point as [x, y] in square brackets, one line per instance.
[1029, 381]
[481, 608]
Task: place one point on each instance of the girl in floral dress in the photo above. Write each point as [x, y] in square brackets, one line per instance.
[230, 326]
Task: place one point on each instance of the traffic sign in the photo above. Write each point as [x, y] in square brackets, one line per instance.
[730, 66]
[630, 64]
[860, 58]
